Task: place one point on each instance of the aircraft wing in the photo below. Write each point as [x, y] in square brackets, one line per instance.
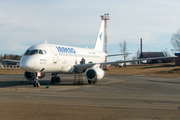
[13, 61]
[120, 61]
[89, 65]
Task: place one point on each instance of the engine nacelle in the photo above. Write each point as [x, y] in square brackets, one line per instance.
[94, 74]
[31, 76]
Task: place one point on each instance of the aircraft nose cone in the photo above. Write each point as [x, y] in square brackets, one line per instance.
[25, 65]
[28, 64]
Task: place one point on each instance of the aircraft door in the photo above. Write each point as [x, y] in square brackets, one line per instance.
[55, 54]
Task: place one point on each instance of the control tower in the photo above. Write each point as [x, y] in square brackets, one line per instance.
[105, 17]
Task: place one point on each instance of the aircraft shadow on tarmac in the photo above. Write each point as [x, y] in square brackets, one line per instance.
[169, 82]
[42, 82]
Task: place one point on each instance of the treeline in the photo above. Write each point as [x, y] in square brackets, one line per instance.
[10, 57]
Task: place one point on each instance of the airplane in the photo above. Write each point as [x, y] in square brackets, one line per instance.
[40, 59]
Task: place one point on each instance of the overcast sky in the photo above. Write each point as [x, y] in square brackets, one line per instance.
[24, 23]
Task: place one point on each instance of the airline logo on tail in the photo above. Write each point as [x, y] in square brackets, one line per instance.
[100, 36]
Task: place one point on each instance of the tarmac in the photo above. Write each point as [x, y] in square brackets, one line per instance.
[115, 97]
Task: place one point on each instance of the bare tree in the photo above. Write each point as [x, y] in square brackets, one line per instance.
[134, 58]
[166, 53]
[1, 58]
[138, 53]
[175, 40]
[12, 57]
[123, 50]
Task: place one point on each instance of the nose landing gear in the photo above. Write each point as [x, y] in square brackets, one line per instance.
[36, 84]
[37, 76]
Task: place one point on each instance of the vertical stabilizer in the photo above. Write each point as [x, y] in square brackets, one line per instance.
[100, 38]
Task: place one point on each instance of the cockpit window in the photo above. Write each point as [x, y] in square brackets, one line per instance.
[33, 52]
[40, 52]
[27, 52]
[44, 52]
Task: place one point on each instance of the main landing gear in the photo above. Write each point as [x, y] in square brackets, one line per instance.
[94, 82]
[55, 79]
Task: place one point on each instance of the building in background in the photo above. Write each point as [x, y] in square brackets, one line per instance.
[177, 59]
[151, 55]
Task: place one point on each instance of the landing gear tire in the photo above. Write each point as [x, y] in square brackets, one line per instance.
[95, 82]
[36, 84]
[55, 80]
[89, 81]
[58, 80]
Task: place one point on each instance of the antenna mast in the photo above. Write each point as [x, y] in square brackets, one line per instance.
[105, 17]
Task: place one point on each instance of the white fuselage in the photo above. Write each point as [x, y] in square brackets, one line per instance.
[50, 58]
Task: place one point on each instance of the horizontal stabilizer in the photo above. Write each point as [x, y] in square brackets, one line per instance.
[117, 54]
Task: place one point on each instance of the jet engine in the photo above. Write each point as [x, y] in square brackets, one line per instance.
[31, 76]
[94, 74]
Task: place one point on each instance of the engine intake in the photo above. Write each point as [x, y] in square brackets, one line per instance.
[31, 76]
[94, 74]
